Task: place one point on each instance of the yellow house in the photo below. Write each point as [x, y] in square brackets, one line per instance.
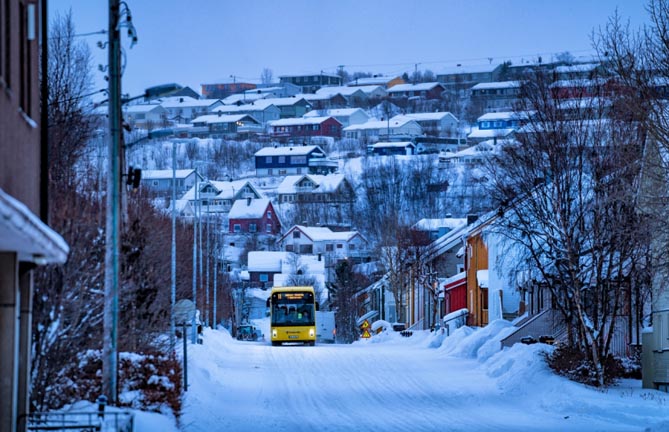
[476, 268]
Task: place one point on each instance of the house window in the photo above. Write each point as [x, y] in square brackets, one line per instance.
[340, 246]
[298, 160]
[269, 214]
[253, 227]
[268, 159]
[237, 228]
[282, 159]
[351, 246]
[296, 234]
[268, 228]
[289, 248]
[263, 277]
[329, 247]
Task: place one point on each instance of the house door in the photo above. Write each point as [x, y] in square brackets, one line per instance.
[484, 306]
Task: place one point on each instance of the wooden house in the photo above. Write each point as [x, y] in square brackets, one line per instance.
[253, 216]
[304, 159]
[305, 127]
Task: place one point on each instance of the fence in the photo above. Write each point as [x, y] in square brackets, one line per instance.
[84, 421]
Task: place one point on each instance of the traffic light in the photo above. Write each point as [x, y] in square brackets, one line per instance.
[134, 177]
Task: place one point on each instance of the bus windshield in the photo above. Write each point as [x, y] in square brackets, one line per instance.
[293, 309]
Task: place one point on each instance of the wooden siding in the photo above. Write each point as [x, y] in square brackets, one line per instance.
[477, 259]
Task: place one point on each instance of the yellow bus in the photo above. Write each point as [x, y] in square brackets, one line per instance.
[293, 315]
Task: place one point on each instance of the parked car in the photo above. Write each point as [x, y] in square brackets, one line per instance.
[247, 332]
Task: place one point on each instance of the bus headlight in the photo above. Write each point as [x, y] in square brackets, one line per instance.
[274, 334]
[311, 332]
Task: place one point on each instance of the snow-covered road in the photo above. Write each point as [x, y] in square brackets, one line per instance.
[400, 384]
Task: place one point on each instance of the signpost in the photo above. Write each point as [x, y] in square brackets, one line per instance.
[365, 330]
[184, 314]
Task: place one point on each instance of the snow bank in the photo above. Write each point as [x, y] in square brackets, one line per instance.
[477, 344]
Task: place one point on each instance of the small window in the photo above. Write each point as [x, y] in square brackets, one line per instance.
[237, 228]
[296, 234]
[253, 227]
[289, 248]
[329, 247]
[269, 214]
[268, 159]
[268, 228]
[282, 159]
[263, 277]
[340, 246]
[351, 246]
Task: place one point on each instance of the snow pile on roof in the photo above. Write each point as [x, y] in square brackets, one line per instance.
[248, 208]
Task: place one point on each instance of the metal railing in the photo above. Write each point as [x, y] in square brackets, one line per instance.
[82, 421]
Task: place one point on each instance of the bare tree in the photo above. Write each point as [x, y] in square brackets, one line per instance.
[567, 191]
[266, 76]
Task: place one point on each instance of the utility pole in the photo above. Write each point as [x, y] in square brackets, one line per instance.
[195, 205]
[173, 285]
[113, 225]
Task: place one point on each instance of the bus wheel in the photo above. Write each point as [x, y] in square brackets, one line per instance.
[311, 343]
[276, 343]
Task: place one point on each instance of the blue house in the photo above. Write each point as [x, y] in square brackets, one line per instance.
[306, 159]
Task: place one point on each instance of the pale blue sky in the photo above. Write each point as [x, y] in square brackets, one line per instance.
[201, 41]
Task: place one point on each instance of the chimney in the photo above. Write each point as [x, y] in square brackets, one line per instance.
[181, 100]
[248, 201]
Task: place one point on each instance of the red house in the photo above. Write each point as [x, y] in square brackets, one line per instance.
[455, 293]
[253, 216]
[305, 127]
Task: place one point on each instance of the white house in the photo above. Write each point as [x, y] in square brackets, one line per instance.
[184, 109]
[323, 241]
[261, 110]
[345, 116]
[315, 188]
[373, 130]
[215, 197]
[161, 180]
[441, 124]
[146, 116]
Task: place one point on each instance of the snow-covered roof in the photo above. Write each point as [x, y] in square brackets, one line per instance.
[21, 231]
[141, 108]
[435, 224]
[337, 112]
[380, 124]
[259, 105]
[286, 101]
[428, 116]
[459, 69]
[226, 189]
[371, 81]
[266, 261]
[477, 133]
[413, 87]
[166, 174]
[496, 85]
[243, 98]
[401, 144]
[249, 208]
[186, 102]
[587, 67]
[223, 118]
[342, 90]
[300, 121]
[292, 150]
[322, 183]
[323, 233]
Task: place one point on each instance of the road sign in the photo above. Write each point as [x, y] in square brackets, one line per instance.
[365, 325]
[366, 334]
[184, 312]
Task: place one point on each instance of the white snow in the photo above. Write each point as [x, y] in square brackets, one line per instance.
[427, 382]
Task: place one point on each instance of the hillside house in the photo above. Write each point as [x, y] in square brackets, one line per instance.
[325, 100]
[345, 116]
[375, 130]
[145, 116]
[497, 125]
[496, 96]
[215, 197]
[305, 159]
[313, 82]
[264, 265]
[458, 80]
[160, 181]
[327, 189]
[354, 96]
[424, 91]
[436, 124]
[290, 107]
[323, 241]
[184, 109]
[305, 127]
[261, 110]
[223, 90]
[253, 216]
[384, 81]
[229, 126]
[395, 148]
